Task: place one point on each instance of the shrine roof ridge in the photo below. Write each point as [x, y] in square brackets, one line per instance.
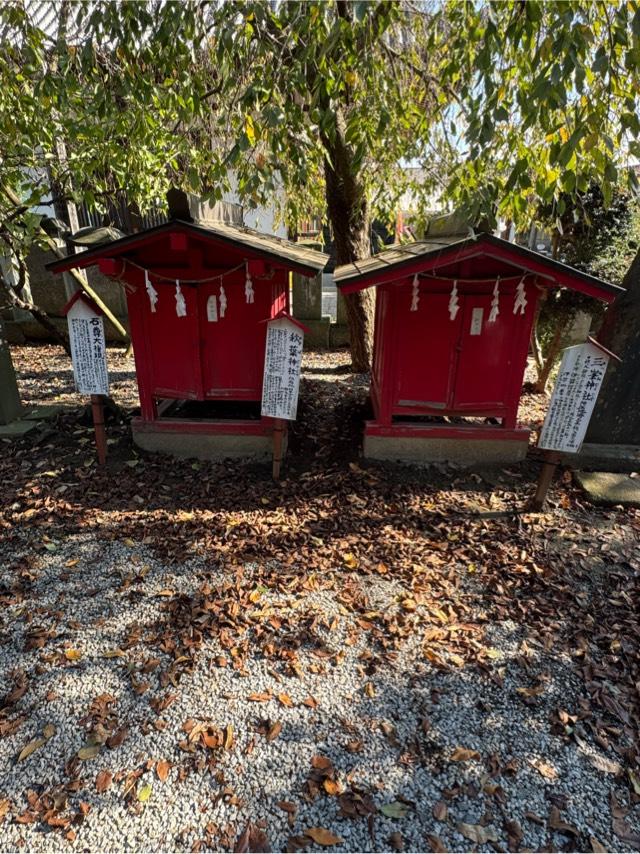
[445, 250]
[266, 246]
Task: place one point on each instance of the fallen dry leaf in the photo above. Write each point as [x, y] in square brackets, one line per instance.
[321, 836]
[544, 768]
[477, 833]
[262, 697]
[440, 811]
[396, 842]
[162, 769]
[625, 833]
[274, 731]
[103, 781]
[145, 793]
[252, 840]
[228, 737]
[557, 823]
[72, 654]
[117, 739]
[607, 766]
[464, 754]
[30, 748]
[89, 751]
[394, 809]
[535, 691]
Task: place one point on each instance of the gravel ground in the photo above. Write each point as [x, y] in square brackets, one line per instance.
[406, 721]
[358, 658]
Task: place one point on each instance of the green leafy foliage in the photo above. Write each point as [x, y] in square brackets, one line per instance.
[506, 105]
[547, 102]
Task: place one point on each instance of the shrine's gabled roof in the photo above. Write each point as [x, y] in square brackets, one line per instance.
[239, 238]
[441, 254]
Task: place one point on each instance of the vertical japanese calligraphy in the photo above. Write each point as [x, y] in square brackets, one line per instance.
[283, 359]
[86, 336]
[574, 397]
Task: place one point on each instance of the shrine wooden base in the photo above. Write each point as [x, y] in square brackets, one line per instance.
[464, 445]
[206, 439]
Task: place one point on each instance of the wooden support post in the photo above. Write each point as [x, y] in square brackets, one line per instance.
[278, 433]
[551, 460]
[97, 410]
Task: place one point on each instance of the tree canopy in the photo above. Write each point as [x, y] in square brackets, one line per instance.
[316, 107]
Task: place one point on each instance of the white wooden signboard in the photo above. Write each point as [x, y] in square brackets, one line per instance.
[579, 379]
[282, 362]
[86, 335]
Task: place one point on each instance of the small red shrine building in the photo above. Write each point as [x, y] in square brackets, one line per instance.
[453, 323]
[198, 296]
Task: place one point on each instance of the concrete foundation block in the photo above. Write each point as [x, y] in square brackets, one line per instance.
[319, 334]
[339, 335]
[14, 333]
[465, 452]
[607, 458]
[203, 446]
[45, 413]
[16, 429]
[610, 488]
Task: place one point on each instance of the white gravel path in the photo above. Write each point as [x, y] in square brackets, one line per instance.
[409, 722]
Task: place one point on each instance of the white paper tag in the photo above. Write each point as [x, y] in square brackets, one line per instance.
[476, 321]
[212, 309]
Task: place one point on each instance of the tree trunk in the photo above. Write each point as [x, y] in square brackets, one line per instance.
[349, 216]
[40, 316]
[551, 356]
[10, 406]
[616, 419]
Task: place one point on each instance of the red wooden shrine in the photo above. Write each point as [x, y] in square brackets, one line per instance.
[197, 299]
[445, 366]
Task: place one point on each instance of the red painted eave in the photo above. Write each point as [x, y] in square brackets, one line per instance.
[80, 295]
[551, 273]
[134, 242]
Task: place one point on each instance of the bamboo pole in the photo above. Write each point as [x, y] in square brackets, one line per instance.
[82, 281]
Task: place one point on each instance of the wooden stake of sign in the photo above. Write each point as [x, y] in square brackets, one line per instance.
[88, 354]
[278, 434]
[549, 466]
[97, 410]
[281, 380]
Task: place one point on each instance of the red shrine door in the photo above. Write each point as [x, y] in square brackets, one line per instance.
[216, 351]
[461, 365]
[484, 355]
[232, 344]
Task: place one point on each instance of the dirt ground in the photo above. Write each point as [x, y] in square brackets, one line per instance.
[359, 657]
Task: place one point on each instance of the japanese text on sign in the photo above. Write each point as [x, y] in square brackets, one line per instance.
[86, 335]
[282, 362]
[574, 397]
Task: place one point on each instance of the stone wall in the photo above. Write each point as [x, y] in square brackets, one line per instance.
[48, 291]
